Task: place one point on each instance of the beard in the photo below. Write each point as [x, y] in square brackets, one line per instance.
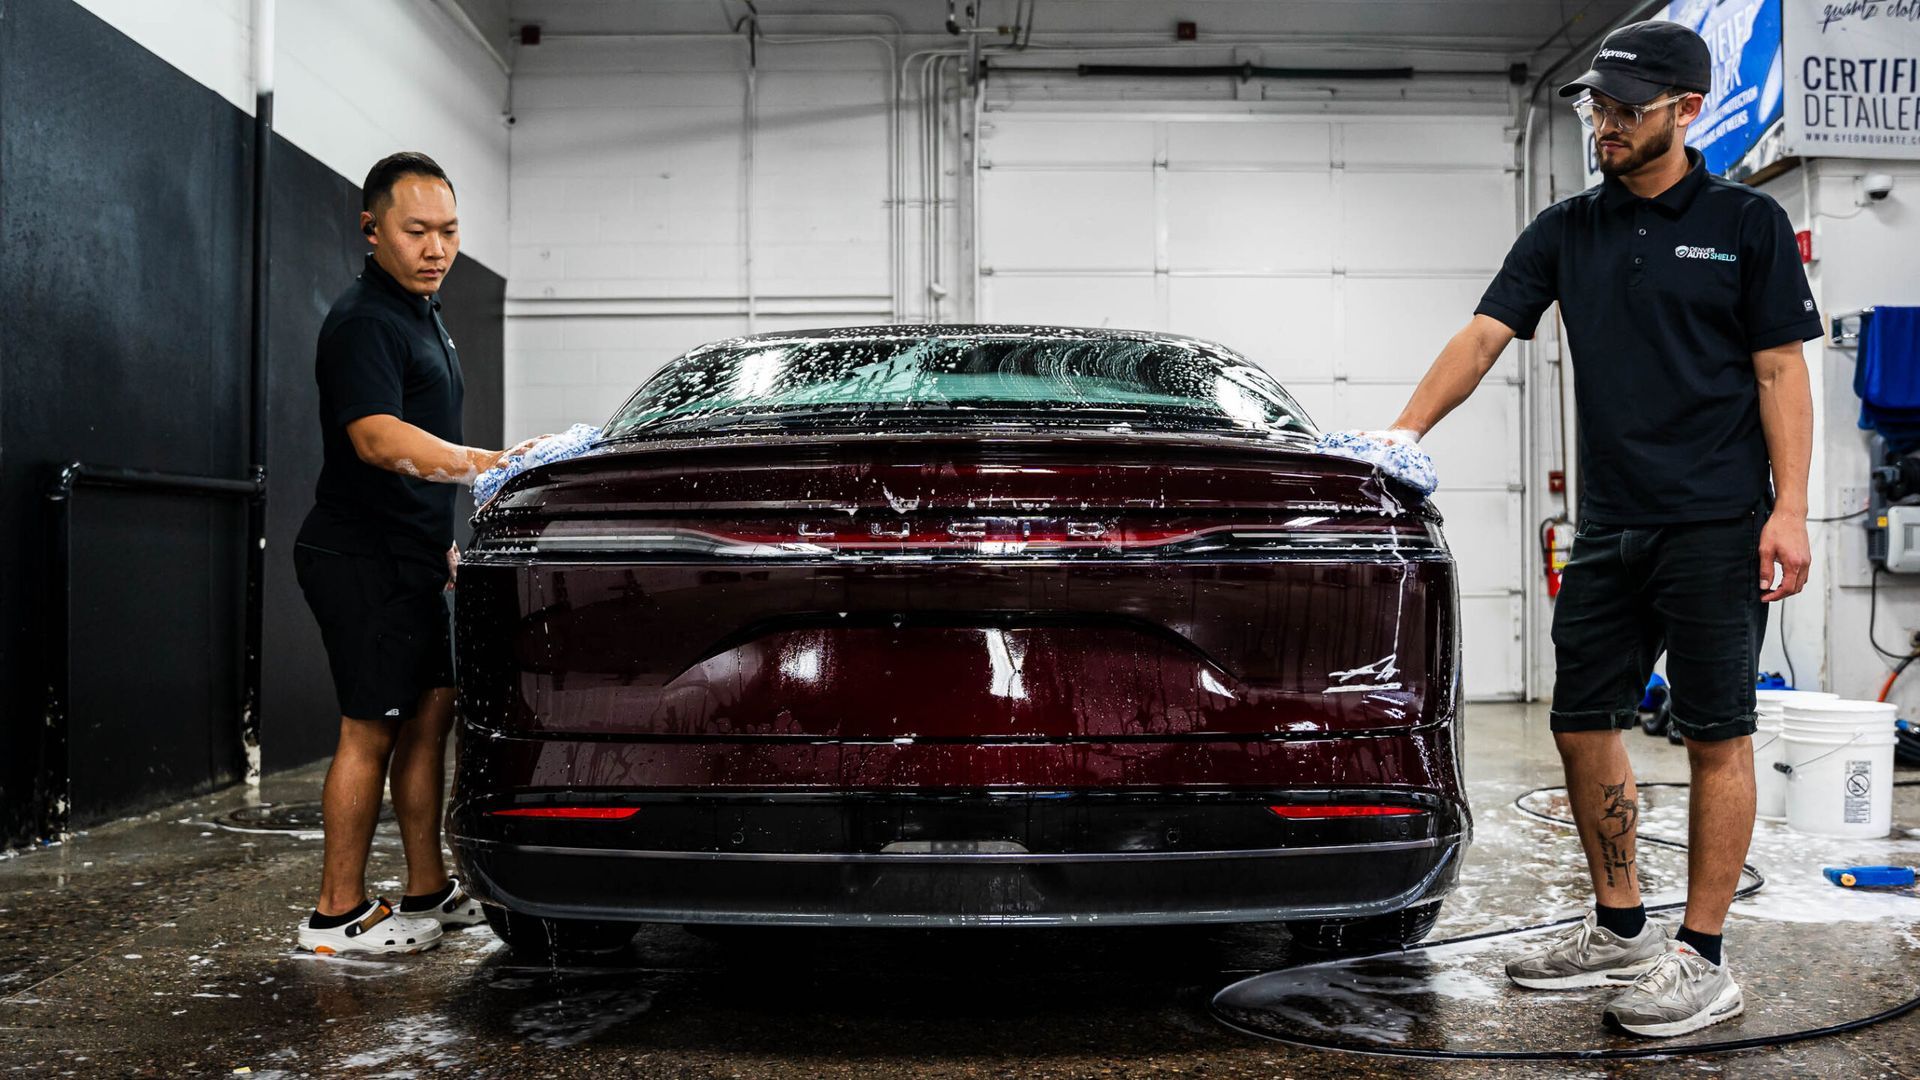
[1652, 145]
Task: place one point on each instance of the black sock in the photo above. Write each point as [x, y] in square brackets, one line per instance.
[332, 922]
[427, 901]
[1707, 945]
[1624, 921]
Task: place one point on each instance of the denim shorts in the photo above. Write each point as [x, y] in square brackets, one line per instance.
[1629, 593]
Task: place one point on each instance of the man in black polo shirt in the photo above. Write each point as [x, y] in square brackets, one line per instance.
[1685, 307]
[375, 558]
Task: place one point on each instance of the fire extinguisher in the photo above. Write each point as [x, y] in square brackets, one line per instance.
[1556, 545]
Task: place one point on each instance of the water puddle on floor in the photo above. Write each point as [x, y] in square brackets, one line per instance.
[1807, 954]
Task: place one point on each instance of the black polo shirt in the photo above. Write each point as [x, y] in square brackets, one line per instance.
[1665, 302]
[383, 350]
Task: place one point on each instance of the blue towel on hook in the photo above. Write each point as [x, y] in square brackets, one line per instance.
[1887, 376]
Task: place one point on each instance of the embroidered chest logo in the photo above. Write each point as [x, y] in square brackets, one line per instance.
[1685, 252]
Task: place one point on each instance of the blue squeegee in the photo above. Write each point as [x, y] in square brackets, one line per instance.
[1869, 877]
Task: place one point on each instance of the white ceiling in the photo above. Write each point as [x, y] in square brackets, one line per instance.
[1513, 28]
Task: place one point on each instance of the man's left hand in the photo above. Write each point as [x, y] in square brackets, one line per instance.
[1783, 546]
[453, 566]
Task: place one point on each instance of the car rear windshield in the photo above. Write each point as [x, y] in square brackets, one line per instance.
[886, 381]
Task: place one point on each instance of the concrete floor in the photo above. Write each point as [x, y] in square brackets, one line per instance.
[162, 947]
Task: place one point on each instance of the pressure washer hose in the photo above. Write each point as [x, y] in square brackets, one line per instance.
[1659, 1050]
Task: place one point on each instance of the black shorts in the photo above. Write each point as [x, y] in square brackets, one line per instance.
[384, 621]
[1629, 593]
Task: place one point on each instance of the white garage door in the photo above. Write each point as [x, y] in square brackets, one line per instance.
[1341, 253]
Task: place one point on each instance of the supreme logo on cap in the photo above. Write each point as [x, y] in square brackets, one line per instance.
[1641, 60]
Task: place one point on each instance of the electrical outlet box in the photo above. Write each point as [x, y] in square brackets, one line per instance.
[1849, 539]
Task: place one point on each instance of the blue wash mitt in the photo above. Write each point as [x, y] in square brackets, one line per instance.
[1396, 455]
[570, 443]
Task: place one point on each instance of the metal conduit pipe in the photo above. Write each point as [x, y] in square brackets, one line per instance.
[747, 124]
[936, 291]
[930, 75]
[263, 46]
[923, 57]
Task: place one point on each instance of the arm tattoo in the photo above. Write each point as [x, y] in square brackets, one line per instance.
[1618, 815]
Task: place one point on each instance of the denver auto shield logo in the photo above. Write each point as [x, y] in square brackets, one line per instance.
[1685, 252]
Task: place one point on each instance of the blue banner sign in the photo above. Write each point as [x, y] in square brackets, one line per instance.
[1748, 74]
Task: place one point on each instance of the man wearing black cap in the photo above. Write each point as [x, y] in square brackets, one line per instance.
[1685, 308]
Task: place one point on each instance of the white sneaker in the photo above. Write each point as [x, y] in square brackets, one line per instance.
[1588, 954]
[377, 930]
[456, 911]
[1682, 992]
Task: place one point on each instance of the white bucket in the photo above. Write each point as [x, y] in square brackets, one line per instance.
[1770, 784]
[1840, 760]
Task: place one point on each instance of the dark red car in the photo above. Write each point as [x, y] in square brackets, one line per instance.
[957, 625]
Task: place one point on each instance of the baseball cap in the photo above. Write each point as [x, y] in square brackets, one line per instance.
[1639, 60]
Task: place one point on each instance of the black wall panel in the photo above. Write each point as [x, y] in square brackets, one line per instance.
[124, 314]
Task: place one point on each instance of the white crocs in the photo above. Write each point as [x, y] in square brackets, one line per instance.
[456, 911]
[378, 930]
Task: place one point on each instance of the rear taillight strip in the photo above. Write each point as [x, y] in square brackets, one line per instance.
[569, 813]
[1310, 811]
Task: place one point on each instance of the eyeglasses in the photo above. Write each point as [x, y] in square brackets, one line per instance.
[1624, 117]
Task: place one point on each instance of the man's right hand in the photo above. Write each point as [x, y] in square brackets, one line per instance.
[517, 449]
[1395, 452]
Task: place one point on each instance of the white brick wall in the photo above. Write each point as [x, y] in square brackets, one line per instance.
[627, 183]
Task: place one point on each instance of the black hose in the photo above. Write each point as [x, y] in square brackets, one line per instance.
[1873, 616]
[1660, 1050]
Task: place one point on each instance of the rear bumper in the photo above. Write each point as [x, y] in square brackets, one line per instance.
[1192, 869]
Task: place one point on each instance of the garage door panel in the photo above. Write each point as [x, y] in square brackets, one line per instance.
[1074, 220]
[1250, 221]
[1427, 142]
[1436, 221]
[1226, 143]
[1076, 143]
[1480, 528]
[1111, 302]
[1490, 646]
[1279, 322]
[1426, 313]
[1476, 446]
